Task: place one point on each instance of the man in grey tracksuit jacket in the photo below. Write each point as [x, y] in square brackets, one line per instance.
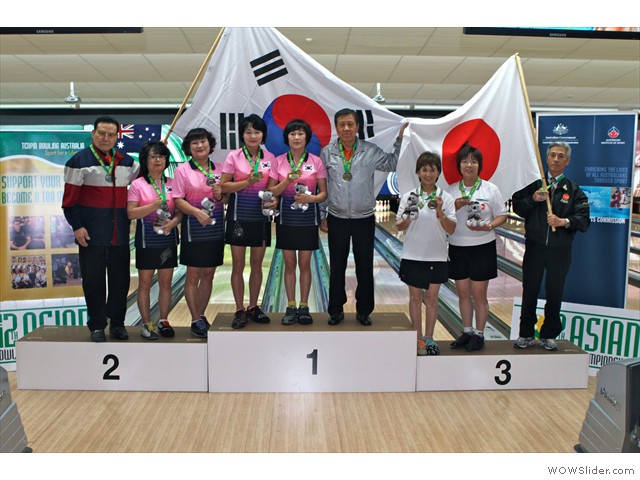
[350, 211]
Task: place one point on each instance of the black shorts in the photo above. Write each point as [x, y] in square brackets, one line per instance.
[477, 262]
[297, 238]
[202, 254]
[248, 234]
[156, 258]
[419, 274]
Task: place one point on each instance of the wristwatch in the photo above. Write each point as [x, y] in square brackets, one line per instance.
[566, 223]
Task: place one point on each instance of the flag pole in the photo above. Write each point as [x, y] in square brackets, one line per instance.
[193, 84]
[533, 132]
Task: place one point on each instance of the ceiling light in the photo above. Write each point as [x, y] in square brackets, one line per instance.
[72, 98]
[378, 96]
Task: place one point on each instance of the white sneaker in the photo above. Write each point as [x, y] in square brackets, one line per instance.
[147, 331]
[524, 342]
[549, 344]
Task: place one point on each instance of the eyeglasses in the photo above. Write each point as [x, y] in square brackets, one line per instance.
[559, 156]
[103, 134]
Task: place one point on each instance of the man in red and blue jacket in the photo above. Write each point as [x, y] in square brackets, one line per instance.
[95, 205]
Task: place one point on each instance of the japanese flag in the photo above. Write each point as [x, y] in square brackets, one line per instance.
[495, 120]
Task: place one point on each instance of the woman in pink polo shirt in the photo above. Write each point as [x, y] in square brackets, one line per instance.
[198, 195]
[244, 174]
[300, 180]
[150, 203]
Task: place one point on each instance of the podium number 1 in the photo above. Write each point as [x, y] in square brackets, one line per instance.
[314, 361]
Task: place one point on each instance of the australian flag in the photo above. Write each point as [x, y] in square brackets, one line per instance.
[132, 137]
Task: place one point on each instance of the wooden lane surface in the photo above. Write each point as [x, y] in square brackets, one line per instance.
[482, 421]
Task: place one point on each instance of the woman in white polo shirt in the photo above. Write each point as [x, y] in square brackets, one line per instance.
[424, 255]
[472, 248]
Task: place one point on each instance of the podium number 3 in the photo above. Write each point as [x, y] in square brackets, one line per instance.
[505, 365]
[108, 375]
[314, 361]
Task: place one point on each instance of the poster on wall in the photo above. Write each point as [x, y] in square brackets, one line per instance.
[606, 334]
[602, 157]
[38, 255]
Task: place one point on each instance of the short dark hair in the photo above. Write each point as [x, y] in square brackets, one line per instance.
[256, 122]
[343, 113]
[197, 134]
[159, 148]
[106, 119]
[429, 159]
[464, 152]
[297, 124]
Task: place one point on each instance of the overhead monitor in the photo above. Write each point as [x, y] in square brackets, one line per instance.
[620, 33]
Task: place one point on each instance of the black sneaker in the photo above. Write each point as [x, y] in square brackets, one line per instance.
[205, 320]
[239, 320]
[475, 343]
[98, 336]
[304, 318]
[199, 328]
[119, 332]
[462, 341]
[165, 329]
[336, 318]
[255, 314]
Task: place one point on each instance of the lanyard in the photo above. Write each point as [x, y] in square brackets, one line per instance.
[253, 161]
[346, 164]
[473, 189]
[108, 169]
[161, 193]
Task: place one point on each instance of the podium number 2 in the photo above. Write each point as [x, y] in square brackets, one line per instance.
[314, 361]
[108, 375]
[506, 368]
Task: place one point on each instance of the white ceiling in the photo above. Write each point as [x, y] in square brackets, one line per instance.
[437, 66]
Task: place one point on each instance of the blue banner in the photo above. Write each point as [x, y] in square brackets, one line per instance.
[602, 151]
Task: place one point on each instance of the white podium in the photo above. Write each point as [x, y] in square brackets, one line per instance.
[64, 358]
[500, 366]
[313, 358]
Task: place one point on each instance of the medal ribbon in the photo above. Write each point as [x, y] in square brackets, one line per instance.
[473, 189]
[161, 193]
[553, 185]
[109, 168]
[346, 164]
[253, 161]
[208, 173]
[296, 168]
[426, 200]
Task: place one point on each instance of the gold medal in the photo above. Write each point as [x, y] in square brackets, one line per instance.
[256, 177]
[294, 175]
